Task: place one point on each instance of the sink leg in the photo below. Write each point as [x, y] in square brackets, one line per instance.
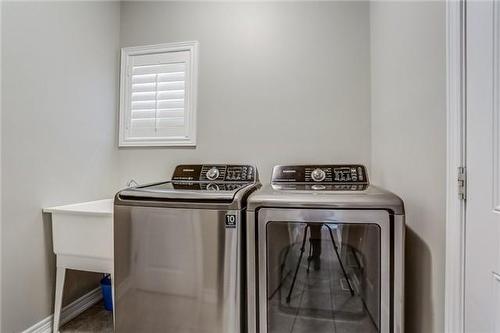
[61, 272]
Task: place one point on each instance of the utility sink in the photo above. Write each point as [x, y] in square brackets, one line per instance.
[82, 236]
[83, 229]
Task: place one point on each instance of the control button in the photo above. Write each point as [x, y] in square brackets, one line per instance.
[213, 173]
[360, 173]
[213, 187]
[318, 175]
[318, 187]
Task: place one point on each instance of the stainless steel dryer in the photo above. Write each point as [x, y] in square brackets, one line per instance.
[325, 253]
[179, 251]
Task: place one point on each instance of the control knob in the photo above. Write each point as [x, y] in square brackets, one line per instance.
[213, 173]
[318, 175]
[213, 187]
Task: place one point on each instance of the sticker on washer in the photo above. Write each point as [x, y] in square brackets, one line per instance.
[230, 221]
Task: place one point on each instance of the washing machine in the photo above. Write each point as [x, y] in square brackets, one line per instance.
[179, 251]
[325, 253]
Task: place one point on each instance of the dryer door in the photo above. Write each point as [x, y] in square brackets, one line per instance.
[324, 271]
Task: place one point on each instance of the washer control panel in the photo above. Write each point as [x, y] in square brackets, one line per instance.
[215, 173]
[333, 174]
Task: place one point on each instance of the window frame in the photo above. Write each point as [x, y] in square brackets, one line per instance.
[191, 96]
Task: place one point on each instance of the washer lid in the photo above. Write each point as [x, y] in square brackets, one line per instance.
[180, 190]
[199, 182]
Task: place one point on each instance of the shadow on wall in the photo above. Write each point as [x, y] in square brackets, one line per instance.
[49, 253]
[418, 271]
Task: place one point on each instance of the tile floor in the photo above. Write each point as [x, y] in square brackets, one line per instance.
[95, 319]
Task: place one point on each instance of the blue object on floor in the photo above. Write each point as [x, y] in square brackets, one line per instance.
[106, 293]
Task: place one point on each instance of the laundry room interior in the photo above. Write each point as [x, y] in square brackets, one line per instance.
[361, 84]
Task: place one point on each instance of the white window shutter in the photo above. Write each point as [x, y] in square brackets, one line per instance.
[158, 95]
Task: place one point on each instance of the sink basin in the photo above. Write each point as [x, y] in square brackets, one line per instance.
[83, 229]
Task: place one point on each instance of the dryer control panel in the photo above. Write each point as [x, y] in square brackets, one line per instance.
[330, 174]
[215, 173]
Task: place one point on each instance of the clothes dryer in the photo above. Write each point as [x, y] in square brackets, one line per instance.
[325, 253]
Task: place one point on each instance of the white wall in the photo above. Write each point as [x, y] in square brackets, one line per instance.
[278, 82]
[60, 64]
[1, 224]
[408, 142]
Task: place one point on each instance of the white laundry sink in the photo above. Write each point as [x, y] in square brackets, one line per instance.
[82, 236]
[83, 229]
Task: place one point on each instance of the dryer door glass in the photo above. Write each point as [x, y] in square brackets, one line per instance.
[323, 277]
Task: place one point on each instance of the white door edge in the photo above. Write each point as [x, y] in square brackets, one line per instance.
[455, 207]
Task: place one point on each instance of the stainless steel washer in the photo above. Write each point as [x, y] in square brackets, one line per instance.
[179, 252]
[325, 253]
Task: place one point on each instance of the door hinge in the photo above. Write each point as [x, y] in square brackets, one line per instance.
[462, 183]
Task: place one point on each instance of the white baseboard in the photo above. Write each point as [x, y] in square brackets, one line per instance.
[69, 312]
